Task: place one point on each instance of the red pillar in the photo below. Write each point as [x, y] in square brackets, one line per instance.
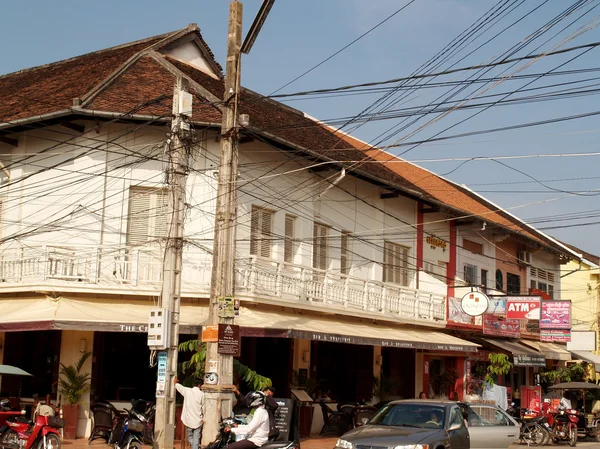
[459, 385]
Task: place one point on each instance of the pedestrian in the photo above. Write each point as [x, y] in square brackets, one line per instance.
[271, 406]
[422, 395]
[192, 415]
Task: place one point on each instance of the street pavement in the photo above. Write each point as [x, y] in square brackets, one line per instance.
[313, 443]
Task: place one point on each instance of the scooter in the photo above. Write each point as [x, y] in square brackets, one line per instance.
[224, 438]
[128, 432]
[23, 433]
[563, 424]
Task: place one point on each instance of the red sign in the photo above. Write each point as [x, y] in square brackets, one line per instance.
[560, 335]
[556, 315]
[493, 325]
[523, 307]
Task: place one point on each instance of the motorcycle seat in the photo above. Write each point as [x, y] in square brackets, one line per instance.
[533, 419]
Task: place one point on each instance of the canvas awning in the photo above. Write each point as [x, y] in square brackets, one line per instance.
[345, 330]
[588, 357]
[551, 351]
[95, 314]
[522, 355]
[126, 315]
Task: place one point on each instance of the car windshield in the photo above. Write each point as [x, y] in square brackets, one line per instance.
[411, 415]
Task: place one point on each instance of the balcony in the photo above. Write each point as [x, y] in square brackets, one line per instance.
[139, 272]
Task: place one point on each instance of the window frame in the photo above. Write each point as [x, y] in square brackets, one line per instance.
[261, 232]
[396, 271]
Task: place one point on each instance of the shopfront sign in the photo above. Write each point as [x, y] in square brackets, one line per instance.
[474, 303]
[555, 315]
[497, 305]
[529, 360]
[229, 339]
[457, 315]
[494, 325]
[556, 335]
[523, 307]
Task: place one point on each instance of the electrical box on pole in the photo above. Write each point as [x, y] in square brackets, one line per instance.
[159, 326]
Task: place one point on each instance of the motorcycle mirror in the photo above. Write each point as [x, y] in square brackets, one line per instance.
[23, 412]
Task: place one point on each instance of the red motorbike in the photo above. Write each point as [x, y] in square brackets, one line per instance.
[23, 433]
[563, 424]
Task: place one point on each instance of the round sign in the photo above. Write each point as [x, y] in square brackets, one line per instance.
[474, 303]
[211, 378]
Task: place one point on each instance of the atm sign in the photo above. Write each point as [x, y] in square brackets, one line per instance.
[523, 307]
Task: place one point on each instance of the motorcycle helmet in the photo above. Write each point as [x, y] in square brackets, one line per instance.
[5, 405]
[255, 398]
[228, 422]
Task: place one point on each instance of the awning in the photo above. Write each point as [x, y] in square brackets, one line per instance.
[522, 355]
[552, 351]
[345, 330]
[95, 314]
[127, 315]
[588, 357]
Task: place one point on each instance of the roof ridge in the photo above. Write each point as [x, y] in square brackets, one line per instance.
[103, 50]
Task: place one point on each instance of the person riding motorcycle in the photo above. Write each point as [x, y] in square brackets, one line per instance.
[257, 431]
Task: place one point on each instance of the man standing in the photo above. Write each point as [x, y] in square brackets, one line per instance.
[192, 414]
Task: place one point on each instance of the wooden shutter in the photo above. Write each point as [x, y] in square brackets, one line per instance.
[320, 253]
[345, 260]
[161, 214]
[267, 233]
[139, 216]
[254, 234]
[288, 245]
[395, 263]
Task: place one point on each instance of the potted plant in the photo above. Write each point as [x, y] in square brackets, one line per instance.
[72, 383]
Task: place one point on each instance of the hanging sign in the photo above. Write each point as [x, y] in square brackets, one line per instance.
[556, 335]
[523, 307]
[474, 303]
[229, 339]
[497, 305]
[210, 333]
[555, 315]
[493, 325]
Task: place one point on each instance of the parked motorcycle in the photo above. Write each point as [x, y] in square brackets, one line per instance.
[535, 430]
[224, 438]
[133, 427]
[23, 433]
[563, 423]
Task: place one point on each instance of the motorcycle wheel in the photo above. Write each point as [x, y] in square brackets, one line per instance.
[9, 437]
[135, 445]
[52, 442]
[572, 436]
[537, 435]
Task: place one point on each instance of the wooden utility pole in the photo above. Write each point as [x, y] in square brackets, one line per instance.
[218, 397]
[178, 151]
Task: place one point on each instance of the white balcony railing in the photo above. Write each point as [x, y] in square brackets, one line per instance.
[117, 269]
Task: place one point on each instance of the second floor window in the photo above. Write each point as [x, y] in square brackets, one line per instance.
[289, 248]
[542, 280]
[395, 264]
[345, 256]
[513, 284]
[148, 215]
[320, 246]
[261, 232]
[470, 274]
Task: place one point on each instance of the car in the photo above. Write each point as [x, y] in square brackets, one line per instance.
[433, 424]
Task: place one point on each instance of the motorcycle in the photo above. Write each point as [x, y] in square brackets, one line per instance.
[224, 438]
[23, 433]
[534, 428]
[563, 423]
[132, 426]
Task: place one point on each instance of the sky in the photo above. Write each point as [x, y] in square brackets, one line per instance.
[539, 173]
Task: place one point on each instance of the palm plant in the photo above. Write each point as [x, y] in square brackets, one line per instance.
[72, 383]
[194, 368]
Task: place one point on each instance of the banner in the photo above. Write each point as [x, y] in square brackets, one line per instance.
[497, 305]
[492, 325]
[556, 335]
[523, 307]
[555, 315]
[457, 315]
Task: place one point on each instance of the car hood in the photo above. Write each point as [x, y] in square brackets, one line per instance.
[393, 435]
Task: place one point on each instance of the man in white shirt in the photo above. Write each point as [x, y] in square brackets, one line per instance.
[257, 431]
[192, 415]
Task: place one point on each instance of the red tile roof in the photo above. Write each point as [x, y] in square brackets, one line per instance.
[52, 88]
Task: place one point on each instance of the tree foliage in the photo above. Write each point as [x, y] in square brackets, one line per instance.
[574, 372]
[499, 365]
[72, 383]
[193, 369]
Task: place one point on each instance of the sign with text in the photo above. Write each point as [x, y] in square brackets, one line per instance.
[474, 303]
[229, 339]
[523, 307]
[497, 305]
[493, 325]
[555, 315]
[529, 360]
[556, 335]
[210, 333]
[457, 315]
[283, 418]
[229, 307]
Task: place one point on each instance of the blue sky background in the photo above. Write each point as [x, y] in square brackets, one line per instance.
[300, 34]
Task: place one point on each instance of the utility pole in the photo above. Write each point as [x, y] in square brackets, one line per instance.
[178, 151]
[218, 397]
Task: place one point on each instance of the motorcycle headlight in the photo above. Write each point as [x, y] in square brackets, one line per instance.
[562, 412]
[412, 446]
[343, 444]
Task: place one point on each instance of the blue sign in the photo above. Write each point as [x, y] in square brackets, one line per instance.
[162, 367]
